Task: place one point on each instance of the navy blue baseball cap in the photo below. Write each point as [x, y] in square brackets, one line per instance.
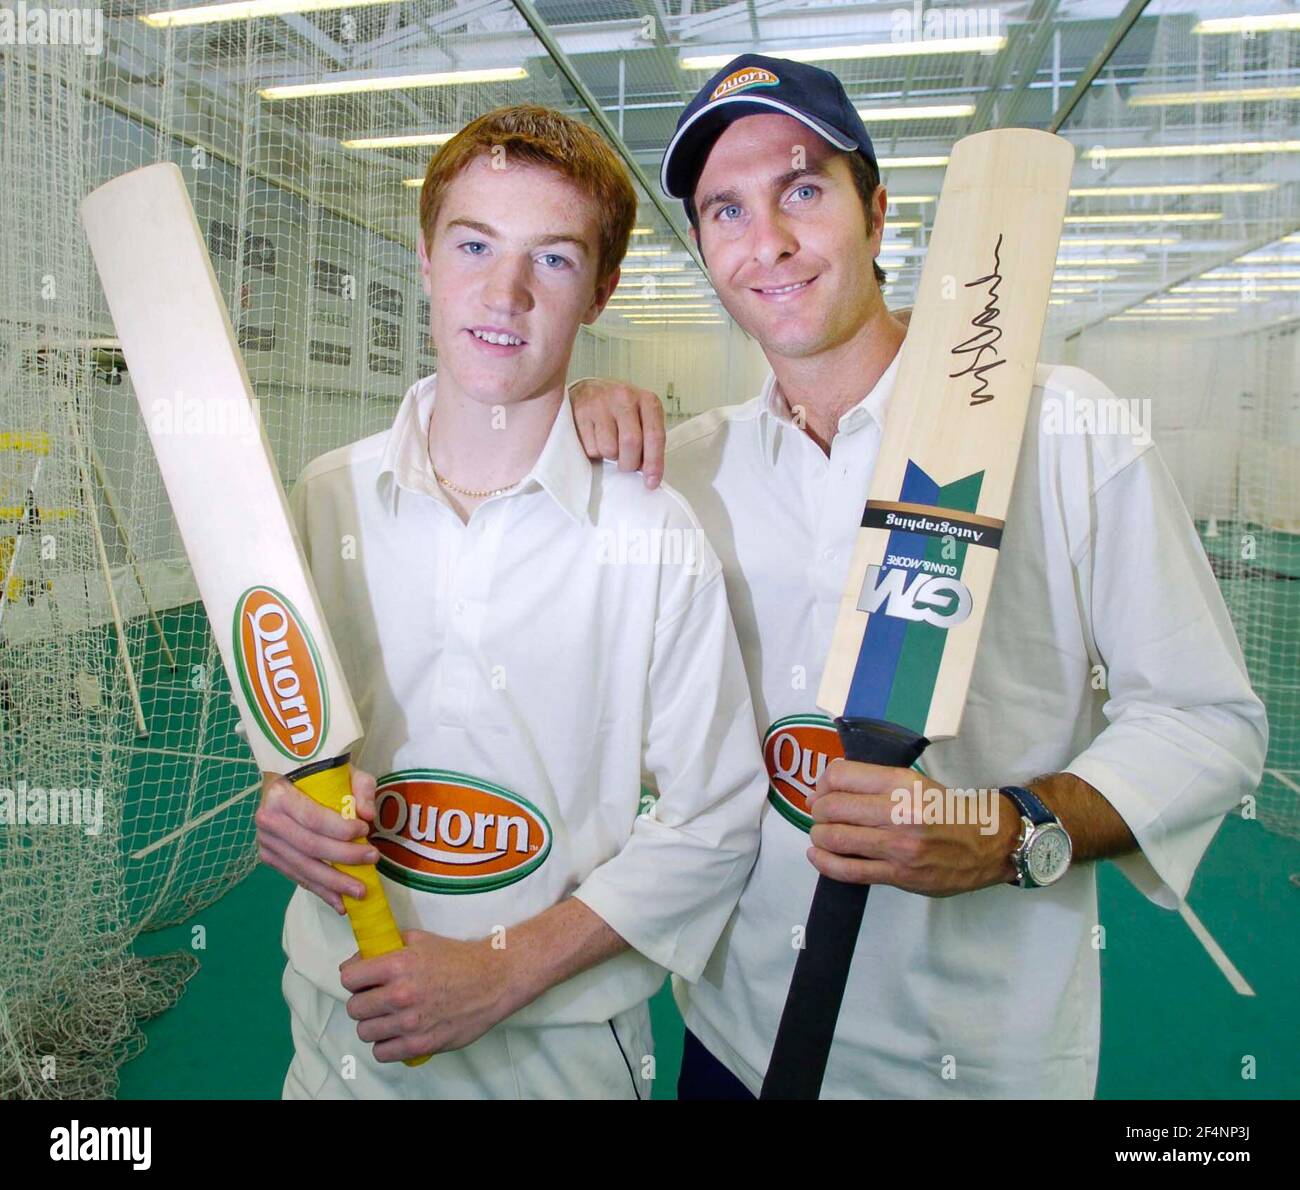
[750, 85]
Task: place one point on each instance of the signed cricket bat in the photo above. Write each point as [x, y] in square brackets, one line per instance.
[225, 491]
[922, 570]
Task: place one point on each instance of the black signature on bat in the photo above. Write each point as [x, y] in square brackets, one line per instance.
[983, 342]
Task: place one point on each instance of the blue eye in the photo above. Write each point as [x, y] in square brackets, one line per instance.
[731, 206]
[553, 260]
[807, 190]
[470, 245]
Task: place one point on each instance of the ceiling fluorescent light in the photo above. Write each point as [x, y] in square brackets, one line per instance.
[659, 283]
[1270, 288]
[393, 82]
[1103, 153]
[937, 111]
[910, 162]
[1261, 275]
[244, 10]
[1234, 95]
[1116, 241]
[1173, 188]
[875, 49]
[415, 140]
[1148, 217]
[663, 306]
[1100, 260]
[1261, 24]
[676, 295]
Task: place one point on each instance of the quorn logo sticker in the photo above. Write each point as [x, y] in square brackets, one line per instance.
[280, 672]
[445, 832]
[742, 80]
[797, 750]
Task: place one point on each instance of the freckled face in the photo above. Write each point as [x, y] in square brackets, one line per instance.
[511, 273]
[783, 231]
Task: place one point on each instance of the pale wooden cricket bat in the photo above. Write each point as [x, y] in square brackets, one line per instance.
[922, 569]
[225, 491]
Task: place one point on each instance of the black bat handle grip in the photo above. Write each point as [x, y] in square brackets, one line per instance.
[812, 1005]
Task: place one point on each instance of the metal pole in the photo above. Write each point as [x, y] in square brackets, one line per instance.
[1123, 23]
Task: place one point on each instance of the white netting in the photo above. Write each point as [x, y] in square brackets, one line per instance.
[313, 243]
[1204, 329]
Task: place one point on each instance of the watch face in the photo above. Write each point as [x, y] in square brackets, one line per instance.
[1049, 855]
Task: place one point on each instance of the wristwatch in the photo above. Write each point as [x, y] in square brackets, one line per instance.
[1042, 854]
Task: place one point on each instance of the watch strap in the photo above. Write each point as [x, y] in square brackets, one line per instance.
[1029, 804]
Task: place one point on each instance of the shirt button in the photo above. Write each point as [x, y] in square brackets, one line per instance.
[828, 555]
[459, 607]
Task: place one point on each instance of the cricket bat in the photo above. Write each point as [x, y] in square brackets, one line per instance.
[919, 581]
[221, 479]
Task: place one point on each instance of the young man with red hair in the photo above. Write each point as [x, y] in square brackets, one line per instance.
[528, 636]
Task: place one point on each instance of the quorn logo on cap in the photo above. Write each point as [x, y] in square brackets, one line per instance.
[445, 832]
[797, 750]
[742, 80]
[280, 672]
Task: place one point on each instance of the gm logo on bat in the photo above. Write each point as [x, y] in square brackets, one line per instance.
[280, 672]
[938, 599]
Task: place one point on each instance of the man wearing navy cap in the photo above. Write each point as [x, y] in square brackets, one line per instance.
[1109, 698]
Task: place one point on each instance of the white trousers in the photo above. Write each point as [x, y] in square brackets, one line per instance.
[607, 1060]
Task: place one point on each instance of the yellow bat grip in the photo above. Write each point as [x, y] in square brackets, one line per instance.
[371, 919]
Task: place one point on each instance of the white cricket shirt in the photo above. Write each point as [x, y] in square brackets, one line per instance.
[994, 993]
[518, 677]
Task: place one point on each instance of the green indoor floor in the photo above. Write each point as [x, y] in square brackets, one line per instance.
[1172, 1026]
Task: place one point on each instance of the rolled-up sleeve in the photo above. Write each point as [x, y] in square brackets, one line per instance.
[672, 887]
[1186, 735]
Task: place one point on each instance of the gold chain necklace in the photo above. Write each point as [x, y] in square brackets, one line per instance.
[446, 483]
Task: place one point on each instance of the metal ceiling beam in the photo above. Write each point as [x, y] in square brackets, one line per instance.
[1195, 271]
[744, 10]
[1025, 46]
[543, 34]
[655, 9]
[1123, 23]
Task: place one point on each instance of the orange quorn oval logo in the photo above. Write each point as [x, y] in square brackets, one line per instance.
[742, 80]
[280, 672]
[797, 750]
[445, 832]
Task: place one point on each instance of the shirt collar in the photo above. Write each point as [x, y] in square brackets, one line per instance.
[774, 409]
[562, 469]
